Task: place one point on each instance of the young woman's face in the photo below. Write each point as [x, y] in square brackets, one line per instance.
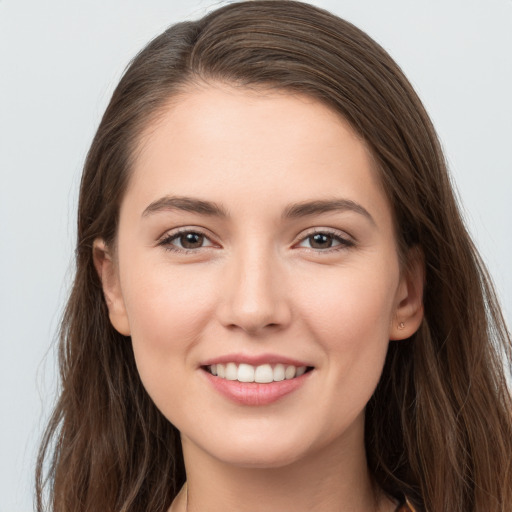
[255, 240]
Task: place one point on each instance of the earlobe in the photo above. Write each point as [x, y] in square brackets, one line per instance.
[409, 299]
[107, 272]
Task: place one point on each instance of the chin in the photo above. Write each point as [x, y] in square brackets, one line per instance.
[267, 458]
[262, 450]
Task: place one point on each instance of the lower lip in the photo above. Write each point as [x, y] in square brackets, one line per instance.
[254, 393]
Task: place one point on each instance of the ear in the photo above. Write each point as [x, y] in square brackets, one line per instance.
[409, 298]
[109, 277]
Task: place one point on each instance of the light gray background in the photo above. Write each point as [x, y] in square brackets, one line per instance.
[59, 63]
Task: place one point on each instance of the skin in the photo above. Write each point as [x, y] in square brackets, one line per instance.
[259, 284]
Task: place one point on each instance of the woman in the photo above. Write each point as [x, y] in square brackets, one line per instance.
[276, 303]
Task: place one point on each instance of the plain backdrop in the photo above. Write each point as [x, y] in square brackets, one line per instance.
[59, 63]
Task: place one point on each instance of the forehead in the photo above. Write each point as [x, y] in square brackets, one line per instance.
[256, 145]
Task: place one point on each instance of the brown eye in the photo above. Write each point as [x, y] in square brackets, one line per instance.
[323, 240]
[320, 241]
[186, 241]
[191, 240]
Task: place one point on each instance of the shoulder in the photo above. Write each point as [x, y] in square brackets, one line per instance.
[405, 507]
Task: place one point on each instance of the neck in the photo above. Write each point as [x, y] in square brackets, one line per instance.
[332, 479]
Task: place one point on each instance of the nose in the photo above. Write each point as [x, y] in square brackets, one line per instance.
[254, 298]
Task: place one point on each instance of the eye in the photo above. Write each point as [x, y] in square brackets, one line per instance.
[322, 240]
[185, 241]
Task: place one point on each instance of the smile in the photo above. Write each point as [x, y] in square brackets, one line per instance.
[262, 374]
[256, 385]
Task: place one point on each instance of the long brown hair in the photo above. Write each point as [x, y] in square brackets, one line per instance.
[438, 428]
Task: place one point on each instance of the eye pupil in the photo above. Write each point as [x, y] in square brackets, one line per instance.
[320, 241]
[191, 240]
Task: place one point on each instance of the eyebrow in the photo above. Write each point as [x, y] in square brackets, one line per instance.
[187, 204]
[293, 211]
[308, 208]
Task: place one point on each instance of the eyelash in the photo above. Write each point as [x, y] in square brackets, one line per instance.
[343, 242]
[166, 241]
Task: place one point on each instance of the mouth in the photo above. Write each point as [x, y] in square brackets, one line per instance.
[261, 374]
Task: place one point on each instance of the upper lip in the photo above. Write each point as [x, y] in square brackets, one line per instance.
[254, 360]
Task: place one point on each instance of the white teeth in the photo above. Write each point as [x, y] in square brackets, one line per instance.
[246, 373]
[301, 370]
[231, 371]
[289, 373]
[278, 372]
[262, 374]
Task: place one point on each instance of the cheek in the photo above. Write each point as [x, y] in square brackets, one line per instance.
[350, 322]
[351, 306]
[167, 311]
[160, 294]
